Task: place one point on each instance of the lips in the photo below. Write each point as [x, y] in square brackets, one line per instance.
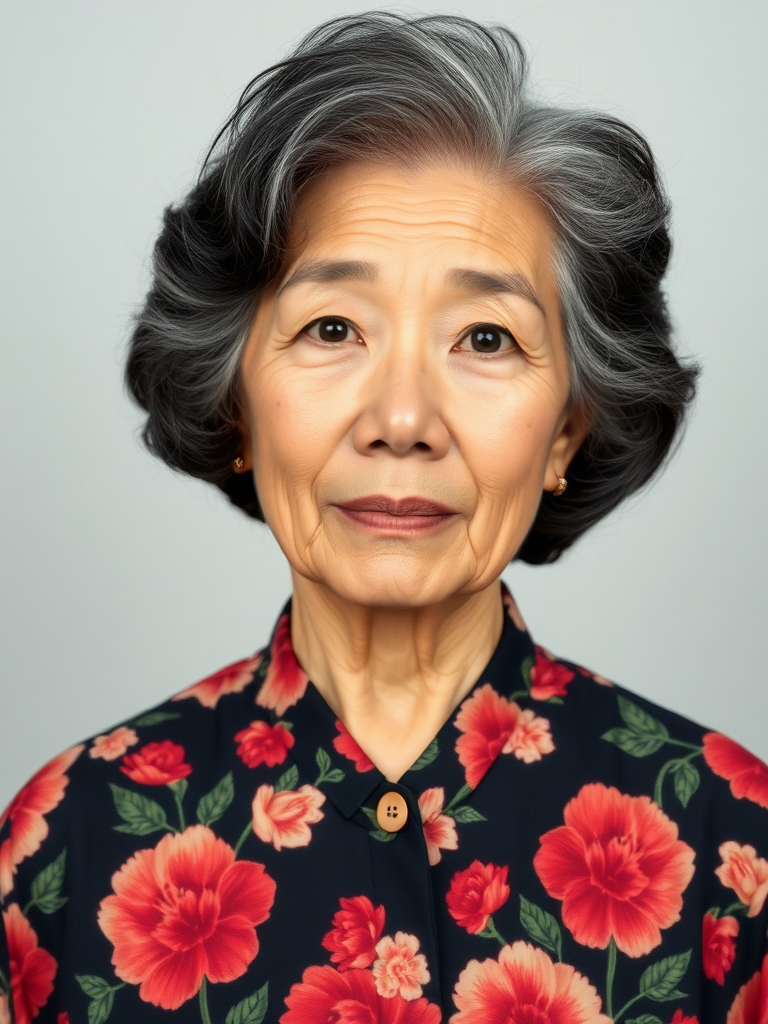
[397, 507]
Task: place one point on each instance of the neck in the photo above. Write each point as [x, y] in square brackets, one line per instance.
[393, 676]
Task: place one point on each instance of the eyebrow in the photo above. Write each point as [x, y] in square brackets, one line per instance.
[477, 281]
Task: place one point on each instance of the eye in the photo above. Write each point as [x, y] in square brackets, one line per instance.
[487, 339]
[330, 329]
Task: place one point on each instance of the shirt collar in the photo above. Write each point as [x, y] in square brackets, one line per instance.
[481, 728]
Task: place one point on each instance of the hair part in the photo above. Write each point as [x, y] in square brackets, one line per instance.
[382, 86]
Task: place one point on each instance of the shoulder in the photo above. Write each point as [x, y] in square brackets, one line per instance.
[621, 735]
[154, 748]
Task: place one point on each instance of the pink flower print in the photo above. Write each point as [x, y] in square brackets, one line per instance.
[114, 744]
[283, 818]
[746, 873]
[439, 828]
[400, 969]
[530, 738]
[232, 679]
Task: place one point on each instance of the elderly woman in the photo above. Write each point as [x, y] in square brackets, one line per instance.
[411, 319]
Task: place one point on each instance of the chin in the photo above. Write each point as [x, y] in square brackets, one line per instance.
[397, 581]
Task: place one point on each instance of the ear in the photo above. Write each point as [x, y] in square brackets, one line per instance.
[572, 429]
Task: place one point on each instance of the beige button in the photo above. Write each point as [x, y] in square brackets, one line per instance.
[392, 812]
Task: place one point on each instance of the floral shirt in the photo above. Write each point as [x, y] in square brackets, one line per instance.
[563, 852]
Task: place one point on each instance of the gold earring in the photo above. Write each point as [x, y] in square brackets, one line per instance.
[562, 483]
[239, 464]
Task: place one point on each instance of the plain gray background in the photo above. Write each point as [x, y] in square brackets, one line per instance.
[123, 583]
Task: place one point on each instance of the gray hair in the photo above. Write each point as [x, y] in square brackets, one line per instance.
[395, 88]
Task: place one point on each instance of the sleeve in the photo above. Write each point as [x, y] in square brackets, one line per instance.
[735, 926]
[6, 1000]
[33, 892]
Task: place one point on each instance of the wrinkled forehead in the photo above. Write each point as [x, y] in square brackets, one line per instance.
[427, 214]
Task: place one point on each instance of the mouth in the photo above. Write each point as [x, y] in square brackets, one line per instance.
[380, 513]
[397, 506]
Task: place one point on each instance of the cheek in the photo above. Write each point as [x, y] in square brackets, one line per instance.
[293, 438]
[507, 453]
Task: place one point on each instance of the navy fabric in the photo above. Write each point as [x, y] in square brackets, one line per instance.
[571, 853]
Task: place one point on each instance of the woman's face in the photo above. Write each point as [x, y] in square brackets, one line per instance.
[411, 348]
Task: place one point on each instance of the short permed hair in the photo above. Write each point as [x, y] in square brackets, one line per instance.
[389, 87]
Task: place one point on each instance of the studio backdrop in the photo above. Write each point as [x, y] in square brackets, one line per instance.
[123, 583]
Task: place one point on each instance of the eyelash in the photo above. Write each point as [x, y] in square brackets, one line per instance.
[352, 327]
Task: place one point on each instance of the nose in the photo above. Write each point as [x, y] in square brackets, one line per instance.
[400, 410]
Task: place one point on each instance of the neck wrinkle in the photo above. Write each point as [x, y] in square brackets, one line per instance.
[407, 664]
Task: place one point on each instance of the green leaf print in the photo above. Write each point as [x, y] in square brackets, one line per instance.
[155, 718]
[377, 832]
[140, 815]
[251, 1010]
[646, 1018]
[465, 814]
[686, 779]
[179, 788]
[659, 981]
[46, 887]
[102, 996]
[640, 721]
[288, 780]
[541, 926]
[213, 805]
[327, 774]
[636, 744]
[426, 757]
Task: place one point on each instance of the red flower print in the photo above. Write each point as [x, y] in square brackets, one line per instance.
[549, 678]
[524, 985]
[62, 1018]
[751, 1003]
[512, 610]
[618, 867]
[401, 969]
[27, 811]
[345, 744]
[285, 681]
[262, 743]
[114, 744]
[746, 773]
[530, 738]
[351, 998]
[32, 968]
[439, 828]
[475, 893]
[718, 947]
[357, 928]
[487, 720]
[156, 764]
[283, 818]
[183, 910]
[680, 1018]
[746, 873]
[232, 679]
